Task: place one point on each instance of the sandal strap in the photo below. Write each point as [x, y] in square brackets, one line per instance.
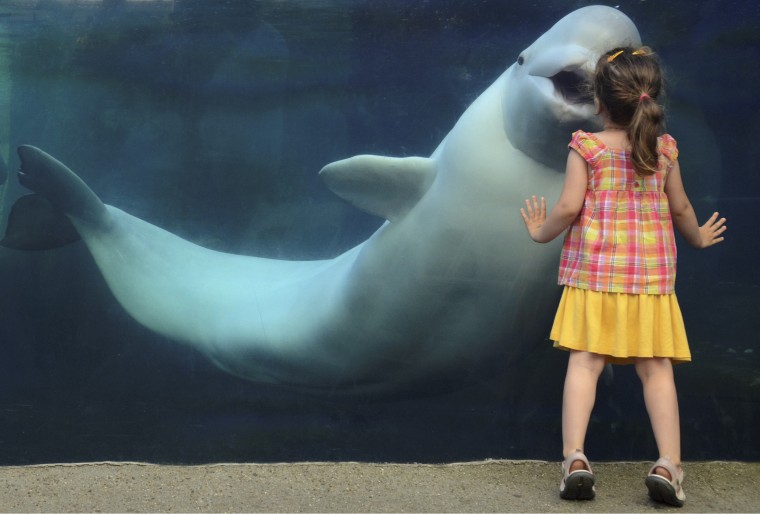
[576, 455]
[676, 474]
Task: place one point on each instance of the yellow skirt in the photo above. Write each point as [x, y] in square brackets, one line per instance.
[620, 326]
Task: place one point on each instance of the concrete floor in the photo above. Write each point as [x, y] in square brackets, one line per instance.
[491, 486]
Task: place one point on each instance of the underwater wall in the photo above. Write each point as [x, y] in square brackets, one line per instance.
[213, 119]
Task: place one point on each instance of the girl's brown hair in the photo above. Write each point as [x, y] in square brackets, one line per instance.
[627, 83]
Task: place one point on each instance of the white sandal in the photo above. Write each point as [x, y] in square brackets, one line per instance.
[663, 490]
[578, 484]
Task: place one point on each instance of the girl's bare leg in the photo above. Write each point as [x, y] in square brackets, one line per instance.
[661, 400]
[583, 370]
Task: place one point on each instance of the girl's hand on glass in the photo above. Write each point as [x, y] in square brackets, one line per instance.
[710, 232]
[534, 215]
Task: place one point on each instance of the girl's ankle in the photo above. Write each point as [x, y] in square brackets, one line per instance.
[578, 465]
[663, 473]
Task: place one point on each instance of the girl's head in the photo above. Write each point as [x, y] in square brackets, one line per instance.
[627, 83]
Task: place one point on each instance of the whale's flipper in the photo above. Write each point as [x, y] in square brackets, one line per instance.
[385, 186]
[50, 178]
[34, 224]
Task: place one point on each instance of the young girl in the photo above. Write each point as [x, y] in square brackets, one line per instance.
[622, 195]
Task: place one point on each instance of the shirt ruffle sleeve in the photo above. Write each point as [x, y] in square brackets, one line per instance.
[668, 147]
[586, 146]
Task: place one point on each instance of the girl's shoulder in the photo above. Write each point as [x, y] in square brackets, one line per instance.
[591, 145]
[587, 144]
[583, 137]
[667, 146]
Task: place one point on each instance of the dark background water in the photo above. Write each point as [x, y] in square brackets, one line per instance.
[145, 100]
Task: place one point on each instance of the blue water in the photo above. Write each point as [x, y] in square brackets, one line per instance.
[123, 96]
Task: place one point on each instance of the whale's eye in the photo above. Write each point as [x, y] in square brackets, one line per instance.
[520, 60]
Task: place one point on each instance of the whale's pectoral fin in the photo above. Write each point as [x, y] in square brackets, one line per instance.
[385, 186]
[35, 224]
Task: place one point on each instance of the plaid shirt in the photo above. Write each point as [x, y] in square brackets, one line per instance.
[622, 241]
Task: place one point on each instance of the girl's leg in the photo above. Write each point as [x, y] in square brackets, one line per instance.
[583, 370]
[661, 400]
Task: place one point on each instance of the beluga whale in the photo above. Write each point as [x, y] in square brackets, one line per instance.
[448, 282]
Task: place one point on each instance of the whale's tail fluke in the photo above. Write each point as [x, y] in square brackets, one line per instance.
[47, 176]
[42, 221]
[34, 224]
[3, 170]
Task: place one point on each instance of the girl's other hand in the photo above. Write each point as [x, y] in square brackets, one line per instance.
[534, 215]
[710, 232]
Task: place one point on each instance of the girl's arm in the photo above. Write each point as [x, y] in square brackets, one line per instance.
[684, 218]
[569, 205]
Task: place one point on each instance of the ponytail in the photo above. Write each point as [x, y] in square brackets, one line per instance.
[642, 133]
[627, 83]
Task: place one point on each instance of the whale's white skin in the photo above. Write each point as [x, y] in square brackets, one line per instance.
[439, 286]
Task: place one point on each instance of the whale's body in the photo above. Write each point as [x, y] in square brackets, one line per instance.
[441, 284]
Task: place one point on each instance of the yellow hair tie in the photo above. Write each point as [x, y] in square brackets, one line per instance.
[612, 57]
[640, 51]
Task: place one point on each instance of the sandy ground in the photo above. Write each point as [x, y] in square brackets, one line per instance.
[492, 486]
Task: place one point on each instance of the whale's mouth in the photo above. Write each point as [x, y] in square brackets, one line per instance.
[574, 86]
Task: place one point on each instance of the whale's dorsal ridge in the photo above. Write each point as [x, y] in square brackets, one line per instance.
[385, 186]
